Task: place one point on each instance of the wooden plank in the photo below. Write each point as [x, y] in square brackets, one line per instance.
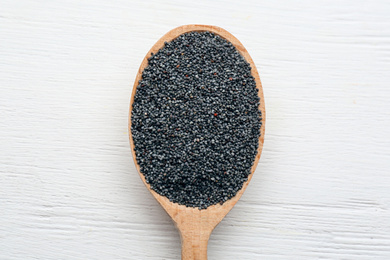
[69, 189]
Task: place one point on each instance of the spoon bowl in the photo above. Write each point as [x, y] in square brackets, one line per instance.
[195, 226]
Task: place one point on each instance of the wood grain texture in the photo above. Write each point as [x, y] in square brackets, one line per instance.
[195, 226]
[69, 188]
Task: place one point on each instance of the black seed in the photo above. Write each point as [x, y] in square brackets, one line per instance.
[196, 120]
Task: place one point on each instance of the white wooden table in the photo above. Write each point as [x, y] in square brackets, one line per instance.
[69, 188]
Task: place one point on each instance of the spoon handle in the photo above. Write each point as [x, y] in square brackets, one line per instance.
[194, 243]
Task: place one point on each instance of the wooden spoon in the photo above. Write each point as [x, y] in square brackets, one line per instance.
[196, 225]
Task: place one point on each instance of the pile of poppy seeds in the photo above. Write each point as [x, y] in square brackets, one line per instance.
[196, 121]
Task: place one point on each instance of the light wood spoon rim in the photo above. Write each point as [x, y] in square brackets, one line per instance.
[196, 225]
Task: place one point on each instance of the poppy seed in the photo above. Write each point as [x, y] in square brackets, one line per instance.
[187, 152]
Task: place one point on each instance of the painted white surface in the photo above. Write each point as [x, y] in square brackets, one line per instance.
[69, 189]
